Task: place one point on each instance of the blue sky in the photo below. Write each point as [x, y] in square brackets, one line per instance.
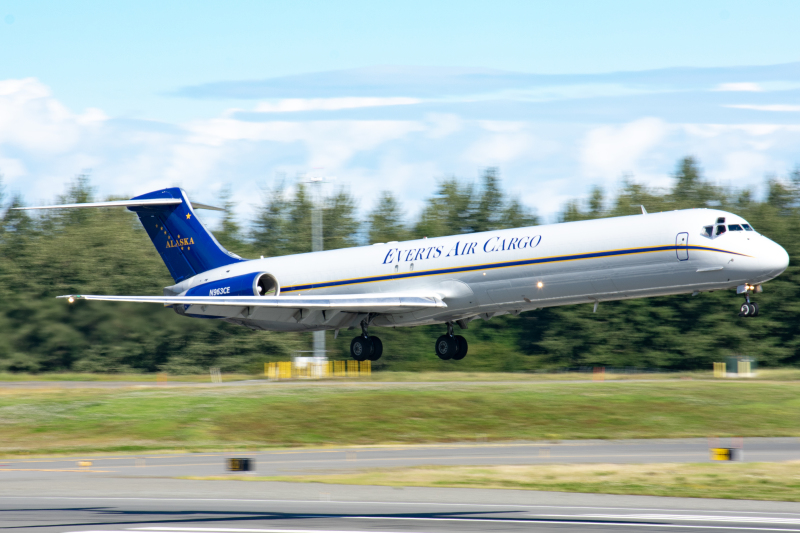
[393, 95]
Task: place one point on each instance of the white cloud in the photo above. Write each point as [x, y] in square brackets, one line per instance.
[769, 107]
[330, 143]
[739, 87]
[32, 120]
[441, 125]
[608, 152]
[741, 166]
[544, 162]
[330, 104]
[11, 169]
[499, 148]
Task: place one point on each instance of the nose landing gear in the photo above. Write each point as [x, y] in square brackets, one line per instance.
[748, 308]
[365, 347]
[451, 346]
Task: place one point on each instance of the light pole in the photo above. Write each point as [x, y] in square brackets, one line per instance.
[316, 245]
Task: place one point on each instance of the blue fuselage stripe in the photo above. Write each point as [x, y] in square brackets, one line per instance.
[492, 266]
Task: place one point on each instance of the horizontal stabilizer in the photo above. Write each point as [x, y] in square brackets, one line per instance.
[125, 203]
[384, 303]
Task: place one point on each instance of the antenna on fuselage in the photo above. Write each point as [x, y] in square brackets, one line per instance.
[644, 211]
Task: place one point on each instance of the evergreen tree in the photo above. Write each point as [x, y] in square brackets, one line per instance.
[386, 220]
[298, 222]
[596, 203]
[106, 251]
[516, 215]
[448, 212]
[490, 210]
[269, 235]
[339, 223]
[690, 189]
[571, 212]
[229, 234]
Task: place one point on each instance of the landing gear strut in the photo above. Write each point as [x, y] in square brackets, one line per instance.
[365, 347]
[451, 346]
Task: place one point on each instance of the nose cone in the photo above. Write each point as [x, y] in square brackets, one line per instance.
[775, 259]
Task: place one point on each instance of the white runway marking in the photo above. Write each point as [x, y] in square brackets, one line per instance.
[683, 517]
[233, 530]
[574, 521]
[352, 502]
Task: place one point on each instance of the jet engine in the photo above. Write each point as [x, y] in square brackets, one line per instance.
[259, 284]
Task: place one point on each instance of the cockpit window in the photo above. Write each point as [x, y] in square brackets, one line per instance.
[747, 227]
[708, 230]
[734, 227]
[721, 220]
[720, 229]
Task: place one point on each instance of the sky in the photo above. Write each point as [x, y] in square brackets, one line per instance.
[560, 96]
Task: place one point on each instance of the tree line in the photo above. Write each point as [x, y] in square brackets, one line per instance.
[106, 251]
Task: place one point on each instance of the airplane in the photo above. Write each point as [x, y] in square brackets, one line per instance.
[449, 280]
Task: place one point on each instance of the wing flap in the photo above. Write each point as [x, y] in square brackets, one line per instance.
[384, 303]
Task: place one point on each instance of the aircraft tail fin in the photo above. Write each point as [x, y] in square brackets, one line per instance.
[183, 242]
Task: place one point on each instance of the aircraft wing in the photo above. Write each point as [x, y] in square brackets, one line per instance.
[360, 303]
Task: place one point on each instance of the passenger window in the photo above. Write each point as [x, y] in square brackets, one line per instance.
[734, 227]
[747, 227]
[720, 229]
[708, 230]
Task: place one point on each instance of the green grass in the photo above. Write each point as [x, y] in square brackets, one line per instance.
[54, 420]
[746, 481]
[776, 374]
[770, 374]
[143, 378]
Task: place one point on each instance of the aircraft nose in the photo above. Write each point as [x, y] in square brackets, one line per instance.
[775, 259]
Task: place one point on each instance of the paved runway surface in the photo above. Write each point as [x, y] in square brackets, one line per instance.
[335, 460]
[180, 506]
[140, 493]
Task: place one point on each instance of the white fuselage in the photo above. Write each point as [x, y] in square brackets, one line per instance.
[480, 275]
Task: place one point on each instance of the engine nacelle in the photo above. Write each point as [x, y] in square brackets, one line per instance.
[259, 284]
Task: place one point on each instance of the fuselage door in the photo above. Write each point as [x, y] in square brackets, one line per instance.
[682, 246]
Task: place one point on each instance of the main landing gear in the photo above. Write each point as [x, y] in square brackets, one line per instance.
[448, 346]
[451, 346]
[365, 347]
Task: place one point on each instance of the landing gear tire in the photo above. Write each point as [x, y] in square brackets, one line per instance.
[748, 309]
[461, 353]
[377, 349]
[362, 348]
[446, 347]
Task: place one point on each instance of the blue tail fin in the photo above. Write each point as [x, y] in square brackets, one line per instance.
[185, 245]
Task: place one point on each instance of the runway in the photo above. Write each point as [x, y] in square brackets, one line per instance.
[179, 506]
[141, 494]
[288, 462]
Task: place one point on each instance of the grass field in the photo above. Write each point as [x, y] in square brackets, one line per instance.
[141, 378]
[51, 420]
[770, 374]
[748, 481]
